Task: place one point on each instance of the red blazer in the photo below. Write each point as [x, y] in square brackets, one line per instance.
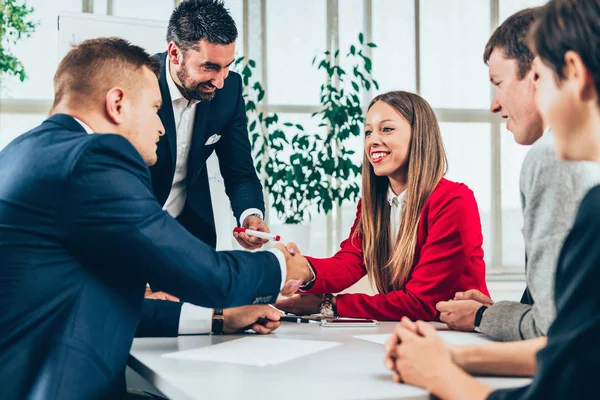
[448, 259]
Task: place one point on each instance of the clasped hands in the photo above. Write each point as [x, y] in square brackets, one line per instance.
[417, 355]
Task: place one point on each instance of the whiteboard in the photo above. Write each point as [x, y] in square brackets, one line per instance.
[74, 28]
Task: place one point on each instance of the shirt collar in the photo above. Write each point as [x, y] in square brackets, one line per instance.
[546, 130]
[174, 91]
[84, 125]
[392, 196]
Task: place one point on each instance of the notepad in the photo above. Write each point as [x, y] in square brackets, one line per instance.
[254, 351]
[451, 337]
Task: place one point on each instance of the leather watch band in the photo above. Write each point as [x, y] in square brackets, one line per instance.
[218, 321]
[478, 316]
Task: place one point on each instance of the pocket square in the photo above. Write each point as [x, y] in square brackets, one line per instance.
[213, 139]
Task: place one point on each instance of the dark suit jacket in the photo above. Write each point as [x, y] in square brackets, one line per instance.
[80, 235]
[224, 115]
[567, 368]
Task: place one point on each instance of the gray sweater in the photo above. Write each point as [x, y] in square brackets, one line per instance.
[551, 190]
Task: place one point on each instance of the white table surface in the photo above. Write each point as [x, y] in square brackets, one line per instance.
[353, 370]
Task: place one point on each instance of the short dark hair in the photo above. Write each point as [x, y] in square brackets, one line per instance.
[94, 66]
[195, 20]
[569, 25]
[511, 37]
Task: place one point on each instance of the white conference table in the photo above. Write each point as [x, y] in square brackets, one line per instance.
[353, 370]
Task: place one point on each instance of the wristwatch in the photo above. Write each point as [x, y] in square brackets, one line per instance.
[478, 316]
[218, 322]
[327, 307]
[308, 284]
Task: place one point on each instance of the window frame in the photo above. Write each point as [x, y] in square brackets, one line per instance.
[255, 39]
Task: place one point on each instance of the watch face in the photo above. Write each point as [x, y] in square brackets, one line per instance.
[327, 312]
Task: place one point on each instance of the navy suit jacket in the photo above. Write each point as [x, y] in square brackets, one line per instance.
[80, 235]
[224, 115]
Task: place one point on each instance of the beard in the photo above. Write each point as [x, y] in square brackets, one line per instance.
[193, 90]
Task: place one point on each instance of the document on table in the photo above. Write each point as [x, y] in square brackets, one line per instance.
[451, 337]
[254, 351]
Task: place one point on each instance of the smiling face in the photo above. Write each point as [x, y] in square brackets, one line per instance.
[202, 70]
[514, 98]
[387, 141]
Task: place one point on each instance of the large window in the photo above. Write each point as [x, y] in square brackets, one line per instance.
[25, 104]
[296, 32]
[509, 7]
[468, 147]
[452, 72]
[12, 125]
[394, 33]
[39, 53]
[142, 9]
[513, 154]
[433, 47]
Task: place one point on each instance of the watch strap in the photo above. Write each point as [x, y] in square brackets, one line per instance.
[478, 316]
[218, 321]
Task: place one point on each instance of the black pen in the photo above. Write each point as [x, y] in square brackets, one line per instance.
[293, 318]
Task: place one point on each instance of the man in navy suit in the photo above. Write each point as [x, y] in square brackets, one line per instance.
[81, 233]
[203, 111]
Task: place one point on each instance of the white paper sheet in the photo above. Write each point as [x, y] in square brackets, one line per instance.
[254, 351]
[449, 336]
[454, 337]
[377, 339]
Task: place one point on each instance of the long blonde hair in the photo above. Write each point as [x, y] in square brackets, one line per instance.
[389, 266]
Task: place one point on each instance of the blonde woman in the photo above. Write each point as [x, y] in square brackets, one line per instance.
[416, 235]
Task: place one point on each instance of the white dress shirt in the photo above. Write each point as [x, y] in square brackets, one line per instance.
[396, 203]
[194, 319]
[84, 125]
[184, 112]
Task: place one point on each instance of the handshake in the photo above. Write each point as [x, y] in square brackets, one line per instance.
[299, 271]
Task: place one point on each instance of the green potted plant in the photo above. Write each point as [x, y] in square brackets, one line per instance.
[285, 159]
[15, 24]
[304, 172]
[342, 114]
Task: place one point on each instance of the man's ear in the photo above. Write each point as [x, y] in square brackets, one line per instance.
[114, 105]
[174, 53]
[533, 74]
[579, 76]
[531, 77]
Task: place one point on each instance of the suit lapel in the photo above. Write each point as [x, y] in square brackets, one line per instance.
[195, 159]
[166, 111]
